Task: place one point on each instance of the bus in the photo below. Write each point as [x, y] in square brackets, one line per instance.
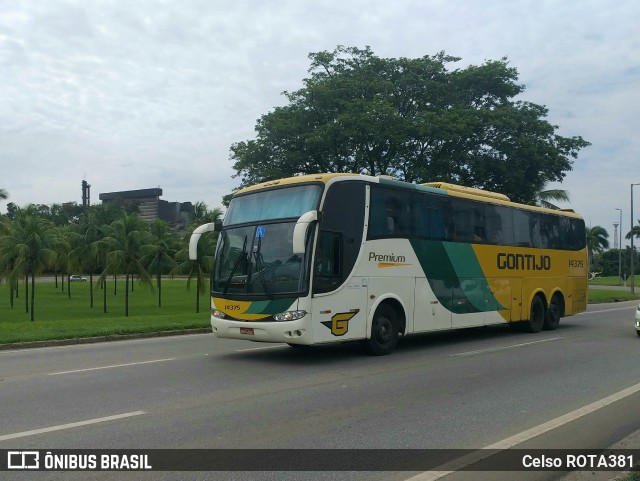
[327, 258]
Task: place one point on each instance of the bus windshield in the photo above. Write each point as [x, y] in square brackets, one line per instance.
[258, 260]
[282, 203]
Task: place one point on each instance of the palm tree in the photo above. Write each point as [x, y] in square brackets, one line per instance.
[86, 252]
[125, 241]
[206, 250]
[544, 197]
[597, 241]
[7, 259]
[203, 215]
[158, 252]
[61, 247]
[196, 268]
[635, 231]
[30, 241]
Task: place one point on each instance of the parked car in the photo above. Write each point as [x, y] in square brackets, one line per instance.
[77, 279]
[638, 320]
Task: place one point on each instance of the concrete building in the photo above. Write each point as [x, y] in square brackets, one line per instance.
[151, 207]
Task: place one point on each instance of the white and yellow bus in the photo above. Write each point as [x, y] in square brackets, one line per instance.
[343, 257]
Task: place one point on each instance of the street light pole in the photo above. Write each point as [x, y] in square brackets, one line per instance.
[620, 248]
[631, 232]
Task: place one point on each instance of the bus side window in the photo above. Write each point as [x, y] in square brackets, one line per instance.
[521, 230]
[327, 267]
[340, 235]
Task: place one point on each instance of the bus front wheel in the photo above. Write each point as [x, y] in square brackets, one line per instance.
[537, 315]
[384, 331]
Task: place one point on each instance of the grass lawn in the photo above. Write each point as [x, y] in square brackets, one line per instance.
[58, 317]
[598, 296]
[613, 281]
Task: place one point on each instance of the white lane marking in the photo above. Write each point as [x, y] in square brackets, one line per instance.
[70, 425]
[111, 367]
[258, 348]
[85, 345]
[519, 438]
[606, 310]
[502, 348]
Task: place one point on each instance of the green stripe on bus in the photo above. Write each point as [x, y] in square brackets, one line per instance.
[455, 276]
[270, 306]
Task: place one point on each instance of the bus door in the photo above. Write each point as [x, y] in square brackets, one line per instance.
[338, 297]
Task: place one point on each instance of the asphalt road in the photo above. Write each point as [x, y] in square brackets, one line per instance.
[463, 389]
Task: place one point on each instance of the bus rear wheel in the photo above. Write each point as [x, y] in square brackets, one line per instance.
[552, 319]
[537, 316]
[384, 332]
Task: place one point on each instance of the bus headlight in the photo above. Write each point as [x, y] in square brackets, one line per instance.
[218, 314]
[289, 315]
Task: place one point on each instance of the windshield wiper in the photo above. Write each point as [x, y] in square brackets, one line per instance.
[235, 266]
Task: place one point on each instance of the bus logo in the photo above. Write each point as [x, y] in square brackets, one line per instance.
[388, 260]
[527, 262]
[339, 323]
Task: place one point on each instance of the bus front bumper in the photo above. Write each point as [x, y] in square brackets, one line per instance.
[291, 332]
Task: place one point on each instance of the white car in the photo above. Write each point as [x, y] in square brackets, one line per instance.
[638, 320]
[77, 279]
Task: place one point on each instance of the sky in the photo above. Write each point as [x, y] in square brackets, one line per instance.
[141, 94]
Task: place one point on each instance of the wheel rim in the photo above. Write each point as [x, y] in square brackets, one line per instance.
[383, 331]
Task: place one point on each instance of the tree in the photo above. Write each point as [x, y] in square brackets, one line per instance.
[597, 241]
[4, 195]
[66, 213]
[62, 260]
[545, 196]
[158, 252]
[411, 118]
[203, 215]
[125, 240]
[204, 262]
[86, 251]
[7, 259]
[29, 241]
[12, 210]
[635, 231]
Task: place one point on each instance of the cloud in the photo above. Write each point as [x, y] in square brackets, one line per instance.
[138, 94]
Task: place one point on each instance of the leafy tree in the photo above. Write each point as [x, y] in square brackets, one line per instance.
[158, 252]
[125, 240]
[411, 118]
[29, 242]
[66, 213]
[597, 241]
[4, 195]
[12, 210]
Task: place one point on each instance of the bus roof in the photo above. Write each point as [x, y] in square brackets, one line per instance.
[442, 188]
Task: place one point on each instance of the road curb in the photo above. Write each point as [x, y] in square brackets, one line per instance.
[96, 339]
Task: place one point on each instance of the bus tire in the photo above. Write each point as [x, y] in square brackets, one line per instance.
[552, 319]
[384, 331]
[537, 316]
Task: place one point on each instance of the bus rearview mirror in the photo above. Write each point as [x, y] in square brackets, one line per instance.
[300, 230]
